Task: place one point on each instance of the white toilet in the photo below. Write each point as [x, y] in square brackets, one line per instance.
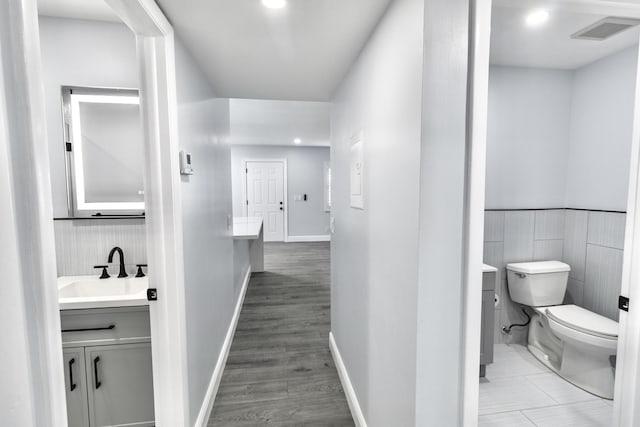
[577, 344]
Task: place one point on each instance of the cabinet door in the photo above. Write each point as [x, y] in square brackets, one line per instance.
[76, 387]
[486, 337]
[120, 385]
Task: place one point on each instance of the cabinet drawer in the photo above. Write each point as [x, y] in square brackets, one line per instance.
[105, 326]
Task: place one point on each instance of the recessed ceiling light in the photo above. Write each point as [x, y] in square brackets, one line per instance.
[274, 4]
[297, 141]
[537, 17]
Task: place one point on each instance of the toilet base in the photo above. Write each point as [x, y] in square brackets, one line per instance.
[583, 366]
[592, 373]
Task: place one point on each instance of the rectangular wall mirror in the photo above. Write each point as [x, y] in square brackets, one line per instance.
[104, 152]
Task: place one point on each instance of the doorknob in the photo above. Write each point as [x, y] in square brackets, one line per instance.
[280, 202]
[281, 208]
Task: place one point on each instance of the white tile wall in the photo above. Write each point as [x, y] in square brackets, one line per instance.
[603, 280]
[606, 229]
[550, 225]
[81, 244]
[494, 226]
[575, 242]
[518, 236]
[575, 292]
[545, 250]
[589, 241]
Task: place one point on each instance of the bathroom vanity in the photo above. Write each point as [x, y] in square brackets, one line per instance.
[107, 352]
[489, 277]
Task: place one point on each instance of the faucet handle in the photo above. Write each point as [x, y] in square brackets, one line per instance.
[140, 273]
[105, 274]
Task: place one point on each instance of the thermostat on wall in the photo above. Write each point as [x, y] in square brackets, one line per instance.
[185, 163]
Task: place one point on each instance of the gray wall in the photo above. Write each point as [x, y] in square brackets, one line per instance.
[80, 53]
[528, 134]
[374, 265]
[590, 242]
[601, 128]
[305, 170]
[560, 138]
[203, 126]
[95, 54]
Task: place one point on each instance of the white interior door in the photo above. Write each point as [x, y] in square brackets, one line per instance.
[265, 197]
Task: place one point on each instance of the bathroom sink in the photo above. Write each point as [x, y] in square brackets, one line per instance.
[76, 292]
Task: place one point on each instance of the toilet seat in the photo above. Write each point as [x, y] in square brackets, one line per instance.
[584, 321]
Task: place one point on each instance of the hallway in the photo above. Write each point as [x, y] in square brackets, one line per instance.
[279, 370]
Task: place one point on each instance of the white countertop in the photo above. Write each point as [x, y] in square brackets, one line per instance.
[488, 269]
[247, 228]
[82, 292]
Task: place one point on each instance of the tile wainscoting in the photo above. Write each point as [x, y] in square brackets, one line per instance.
[81, 244]
[591, 242]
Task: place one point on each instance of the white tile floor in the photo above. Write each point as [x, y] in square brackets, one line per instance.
[520, 391]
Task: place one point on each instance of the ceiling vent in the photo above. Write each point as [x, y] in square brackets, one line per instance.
[605, 28]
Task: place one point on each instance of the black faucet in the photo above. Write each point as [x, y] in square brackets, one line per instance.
[123, 272]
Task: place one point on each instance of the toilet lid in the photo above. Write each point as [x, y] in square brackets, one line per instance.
[583, 320]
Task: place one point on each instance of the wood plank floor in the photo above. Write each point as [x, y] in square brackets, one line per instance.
[280, 371]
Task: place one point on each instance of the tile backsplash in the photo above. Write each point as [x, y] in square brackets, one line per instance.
[81, 244]
[591, 242]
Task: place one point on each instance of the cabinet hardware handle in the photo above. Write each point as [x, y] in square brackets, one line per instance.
[73, 385]
[95, 372]
[105, 328]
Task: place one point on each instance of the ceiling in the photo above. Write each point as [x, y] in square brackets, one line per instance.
[268, 122]
[550, 45]
[80, 9]
[301, 52]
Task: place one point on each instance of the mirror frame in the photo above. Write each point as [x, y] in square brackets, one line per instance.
[77, 205]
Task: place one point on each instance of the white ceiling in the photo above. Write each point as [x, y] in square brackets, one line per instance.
[550, 45]
[79, 9]
[266, 122]
[301, 52]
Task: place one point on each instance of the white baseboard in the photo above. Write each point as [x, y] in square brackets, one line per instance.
[350, 393]
[212, 390]
[320, 238]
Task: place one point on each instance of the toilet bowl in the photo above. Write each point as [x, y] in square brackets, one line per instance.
[577, 344]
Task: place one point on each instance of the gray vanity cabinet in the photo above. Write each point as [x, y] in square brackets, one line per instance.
[76, 387]
[108, 367]
[121, 385]
[487, 322]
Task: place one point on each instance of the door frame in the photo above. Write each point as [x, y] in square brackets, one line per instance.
[245, 209]
[156, 67]
[155, 41]
[627, 388]
[35, 387]
[626, 409]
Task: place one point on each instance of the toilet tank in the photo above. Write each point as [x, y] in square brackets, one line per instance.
[538, 284]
